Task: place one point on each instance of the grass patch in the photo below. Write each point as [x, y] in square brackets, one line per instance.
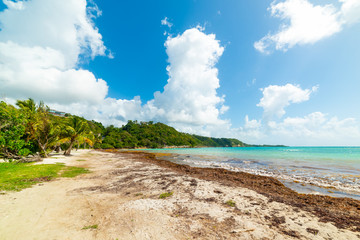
[90, 227]
[70, 172]
[17, 176]
[230, 203]
[165, 195]
[81, 160]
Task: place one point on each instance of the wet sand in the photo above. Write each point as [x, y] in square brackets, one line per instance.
[121, 197]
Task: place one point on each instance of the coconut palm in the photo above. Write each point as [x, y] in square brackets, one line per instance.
[40, 127]
[46, 132]
[76, 130]
[28, 107]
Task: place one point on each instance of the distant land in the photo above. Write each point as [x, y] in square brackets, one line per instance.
[32, 129]
[158, 135]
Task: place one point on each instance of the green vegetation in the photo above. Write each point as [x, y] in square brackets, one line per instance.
[230, 203]
[158, 135]
[165, 195]
[17, 176]
[32, 129]
[90, 227]
[70, 172]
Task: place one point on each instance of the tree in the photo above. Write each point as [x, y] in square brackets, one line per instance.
[76, 129]
[28, 108]
[46, 132]
[41, 127]
[12, 130]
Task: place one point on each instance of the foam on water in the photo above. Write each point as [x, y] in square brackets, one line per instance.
[326, 170]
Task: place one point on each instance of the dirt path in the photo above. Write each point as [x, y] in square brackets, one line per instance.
[121, 197]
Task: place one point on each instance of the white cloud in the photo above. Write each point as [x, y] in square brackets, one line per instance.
[350, 11]
[313, 129]
[14, 5]
[188, 102]
[40, 52]
[41, 43]
[110, 111]
[166, 22]
[276, 98]
[306, 23]
[316, 128]
[190, 97]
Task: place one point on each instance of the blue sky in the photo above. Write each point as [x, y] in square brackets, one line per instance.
[277, 72]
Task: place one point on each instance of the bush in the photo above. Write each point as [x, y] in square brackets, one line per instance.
[106, 146]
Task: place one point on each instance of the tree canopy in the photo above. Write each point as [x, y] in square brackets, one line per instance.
[32, 128]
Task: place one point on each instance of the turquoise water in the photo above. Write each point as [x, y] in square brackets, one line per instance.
[325, 170]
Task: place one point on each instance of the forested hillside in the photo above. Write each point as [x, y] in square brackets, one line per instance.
[158, 135]
[35, 129]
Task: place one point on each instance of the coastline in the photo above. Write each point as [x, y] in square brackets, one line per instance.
[343, 212]
[121, 197]
[309, 170]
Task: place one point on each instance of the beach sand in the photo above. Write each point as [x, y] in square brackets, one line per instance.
[121, 197]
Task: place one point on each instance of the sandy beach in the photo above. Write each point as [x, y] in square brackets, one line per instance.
[121, 198]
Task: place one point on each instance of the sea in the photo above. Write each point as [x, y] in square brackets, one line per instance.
[333, 171]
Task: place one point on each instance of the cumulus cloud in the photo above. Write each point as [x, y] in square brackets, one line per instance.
[189, 100]
[306, 23]
[41, 43]
[276, 98]
[313, 129]
[13, 5]
[190, 97]
[350, 11]
[316, 128]
[41, 73]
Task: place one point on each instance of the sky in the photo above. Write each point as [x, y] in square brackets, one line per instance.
[264, 72]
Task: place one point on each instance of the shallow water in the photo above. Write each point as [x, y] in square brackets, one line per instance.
[319, 170]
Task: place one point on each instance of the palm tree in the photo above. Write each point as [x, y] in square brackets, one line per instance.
[40, 128]
[76, 129]
[28, 107]
[47, 132]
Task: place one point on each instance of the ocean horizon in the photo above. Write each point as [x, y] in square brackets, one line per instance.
[333, 171]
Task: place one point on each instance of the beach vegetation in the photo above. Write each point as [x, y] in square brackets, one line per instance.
[17, 176]
[71, 171]
[32, 130]
[165, 195]
[13, 144]
[230, 203]
[76, 129]
[90, 227]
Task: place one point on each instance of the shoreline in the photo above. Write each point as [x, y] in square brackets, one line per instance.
[303, 176]
[343, 212]
[121, 199]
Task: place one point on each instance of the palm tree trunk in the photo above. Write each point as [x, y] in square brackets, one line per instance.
[68, 151]
[43, 148]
